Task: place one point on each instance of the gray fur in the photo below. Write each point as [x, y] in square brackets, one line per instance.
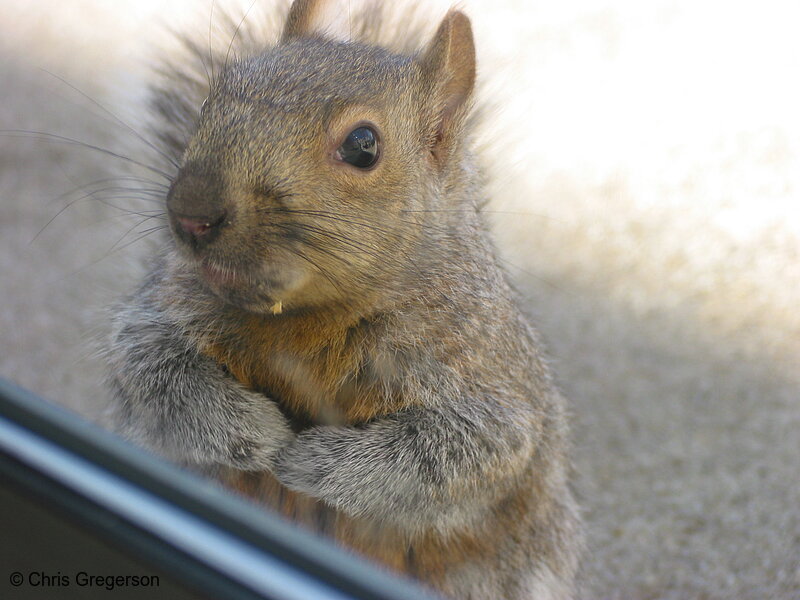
[479, 434]
[180, 403]
[417, 469]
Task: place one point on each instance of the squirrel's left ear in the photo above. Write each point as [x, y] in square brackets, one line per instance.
[448, 70]
[317, 18]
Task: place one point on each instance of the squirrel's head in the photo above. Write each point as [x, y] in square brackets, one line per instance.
[315, 166]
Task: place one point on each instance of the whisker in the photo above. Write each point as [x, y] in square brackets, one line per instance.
[146, 233]
[236, 32]
[107, 255]
[135, 193]
[482, 210]
[358, 246]
[142, 180]
[544, 280]
[126, 234]
[60, 139]
[330, 216]
[353, 244]
[331, 278]
[128, 211]
[117, 119]
[363, 249]
[144, 194]
[152, 229]
[320, 248]
[395, 232]
[92, 194]
[210, 47]
[125, 215]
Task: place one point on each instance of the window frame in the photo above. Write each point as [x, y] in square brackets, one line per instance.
[204, 537]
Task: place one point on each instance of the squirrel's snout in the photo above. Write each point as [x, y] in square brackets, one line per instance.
[198, 230]
[194, 204]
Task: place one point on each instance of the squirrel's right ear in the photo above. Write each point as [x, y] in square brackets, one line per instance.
[448, 69]
[316, 18]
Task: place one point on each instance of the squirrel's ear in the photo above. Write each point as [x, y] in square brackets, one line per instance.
[448, 68]
[316, 18]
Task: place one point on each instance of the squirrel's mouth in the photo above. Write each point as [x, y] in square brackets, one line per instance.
[219, 277]
[248, 290]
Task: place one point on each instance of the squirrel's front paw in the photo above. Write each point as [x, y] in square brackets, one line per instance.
[302, 465]
[309, 464]
[267, 431]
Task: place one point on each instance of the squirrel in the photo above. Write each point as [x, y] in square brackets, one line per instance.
[328, 330]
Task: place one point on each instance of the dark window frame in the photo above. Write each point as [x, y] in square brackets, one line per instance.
[206, 538]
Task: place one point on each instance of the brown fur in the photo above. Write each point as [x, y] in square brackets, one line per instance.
[309, 365]
[423, 427]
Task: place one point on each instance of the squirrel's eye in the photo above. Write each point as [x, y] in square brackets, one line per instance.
[360, 148]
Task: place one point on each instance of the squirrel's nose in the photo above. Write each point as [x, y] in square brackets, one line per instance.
[199, 229]
[195, 227]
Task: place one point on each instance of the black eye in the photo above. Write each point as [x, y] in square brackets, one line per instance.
[360, 148]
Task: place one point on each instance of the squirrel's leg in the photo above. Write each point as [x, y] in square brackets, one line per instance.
[182, 404]
[419, 469]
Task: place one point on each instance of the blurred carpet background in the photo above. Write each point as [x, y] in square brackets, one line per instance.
[646, 183]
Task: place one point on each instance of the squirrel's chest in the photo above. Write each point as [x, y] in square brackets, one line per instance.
[317, 372]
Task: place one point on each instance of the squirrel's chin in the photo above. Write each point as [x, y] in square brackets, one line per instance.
[251, 292]
[248, 300]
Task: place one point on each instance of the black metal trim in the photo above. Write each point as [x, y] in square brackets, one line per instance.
[103, 473]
